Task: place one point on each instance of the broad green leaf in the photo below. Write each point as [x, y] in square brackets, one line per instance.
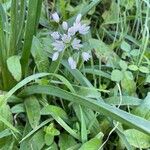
[14, 66]
[125, 46]
[87, 91]
[137, 138]
[128, 84]
[123, 65]
[126, 100]
[49, 139]
[144, 69]
[116, 75]
[54, 110]
[5, 133]
[40, 56]
[32, 107]
[128, 4]
[133, 67]
[100, 47]
[35, 142]
[148, 79]
[111, 16]
[63, 145]
[143, 110]
[97, 72]
[135, 52]
[93, 144]
[6, 118]
[99, 106]
[19, 108]
[51, 130]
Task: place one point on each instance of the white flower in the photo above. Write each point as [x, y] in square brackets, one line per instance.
[71, 31]
[86, 56]
[58, 45]
[78, 19]
[72, 63]
[55, 17]
[55, 56]
[76, 44]
[65, 25]
[76, 26]
[84, 29]
[55, 35]
[66, 38]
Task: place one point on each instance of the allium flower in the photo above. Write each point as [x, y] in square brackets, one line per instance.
[55, 17]
[84, 29]
[65, 25]
[58, 45]
[76, 44]
[72, 63]
[76, 26]
[55, 56]
[86, 56]
[66, 38]
[55, 35]
[71, 31]
[78, 19]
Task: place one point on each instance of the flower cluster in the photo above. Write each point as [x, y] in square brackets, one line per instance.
[68, 39]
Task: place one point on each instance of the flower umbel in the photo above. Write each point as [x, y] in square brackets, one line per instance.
[69, 39]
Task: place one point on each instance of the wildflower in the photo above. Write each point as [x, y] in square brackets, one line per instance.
[55, 35]
[76, 44]
[78, 19]
[58, 45]
[65, 25]
[71, 31]
[84, 29]
[55, 17]
[76, 26]
[86, 56]
[55, 56]
[72, 63]
[66, 38]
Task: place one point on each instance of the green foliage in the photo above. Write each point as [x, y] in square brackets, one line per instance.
[102, 104]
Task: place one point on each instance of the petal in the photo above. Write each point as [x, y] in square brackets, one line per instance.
[55, 35]
[78, 19]
[71, 31]
[66, 38]
[55, 56]
[65, 25]
[72, 63]
[86, 56]
[55, 17]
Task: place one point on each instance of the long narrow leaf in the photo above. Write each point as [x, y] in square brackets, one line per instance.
[113, 112]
